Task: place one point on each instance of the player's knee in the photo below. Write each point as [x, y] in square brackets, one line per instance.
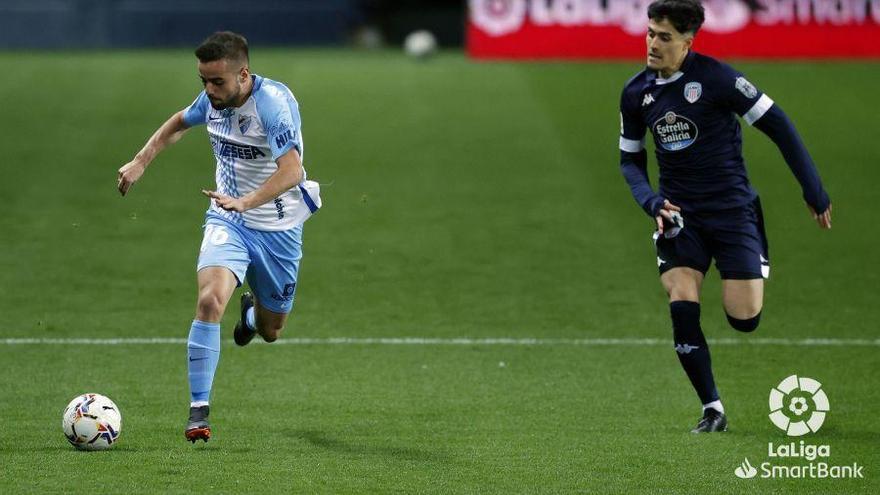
[680, 290]
[210, 306]
[746, 324]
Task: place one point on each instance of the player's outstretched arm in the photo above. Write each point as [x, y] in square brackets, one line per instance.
[288, 175]
[169, 133]
[777, 126]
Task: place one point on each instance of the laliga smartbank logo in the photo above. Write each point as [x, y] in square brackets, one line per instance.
[798, 406]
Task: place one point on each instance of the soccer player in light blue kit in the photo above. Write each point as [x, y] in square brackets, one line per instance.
[253, 227]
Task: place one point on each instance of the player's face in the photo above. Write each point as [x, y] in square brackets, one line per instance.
[666, 46]
[223, 81]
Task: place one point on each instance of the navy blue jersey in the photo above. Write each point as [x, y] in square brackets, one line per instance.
[698, 139]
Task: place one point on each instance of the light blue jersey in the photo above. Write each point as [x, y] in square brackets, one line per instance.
[246, 141]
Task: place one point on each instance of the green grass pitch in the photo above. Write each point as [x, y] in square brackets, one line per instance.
[462, 200]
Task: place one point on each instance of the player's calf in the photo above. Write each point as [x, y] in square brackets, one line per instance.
[269, 324]
[270, 334]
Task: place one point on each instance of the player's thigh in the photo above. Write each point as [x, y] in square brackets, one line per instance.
[222, 264]
[743, 299]
[682, 284]
[742, 259]
[273, 272]
[682, 262]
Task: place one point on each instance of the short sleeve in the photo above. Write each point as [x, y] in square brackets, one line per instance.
[197, 112]
[632, 128]
[741, 96]
[279, 114]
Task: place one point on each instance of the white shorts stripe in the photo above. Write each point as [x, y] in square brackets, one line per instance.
[631, 145]
[758, 109]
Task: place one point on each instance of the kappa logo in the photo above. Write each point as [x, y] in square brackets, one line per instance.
[693, 91]
[649, 98]
[798, 406]
[685, 348]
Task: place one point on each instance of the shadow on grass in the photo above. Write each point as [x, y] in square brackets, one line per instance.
[324, 441]
[67, 448]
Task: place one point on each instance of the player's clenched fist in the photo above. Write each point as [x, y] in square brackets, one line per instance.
[128, 175]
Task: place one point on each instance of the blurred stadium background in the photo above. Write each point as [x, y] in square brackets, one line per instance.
[478, 308]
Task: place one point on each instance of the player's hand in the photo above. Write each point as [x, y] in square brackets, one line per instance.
[228, 203]
[128, 175]
[824, 220]
[665, 212]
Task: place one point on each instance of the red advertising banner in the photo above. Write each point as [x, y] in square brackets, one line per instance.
[596, 29]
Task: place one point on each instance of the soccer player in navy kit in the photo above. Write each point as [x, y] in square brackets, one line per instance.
[705, 207]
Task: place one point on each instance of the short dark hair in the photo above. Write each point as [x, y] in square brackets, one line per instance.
[685, 15]
[223, 45]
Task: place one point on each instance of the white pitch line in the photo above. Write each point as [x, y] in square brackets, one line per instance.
[500, 341]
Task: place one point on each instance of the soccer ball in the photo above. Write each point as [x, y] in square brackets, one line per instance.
[91, 422]
[420, 44]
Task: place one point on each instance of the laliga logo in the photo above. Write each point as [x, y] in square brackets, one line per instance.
[498, 17]
[501, 17]
[798, 406]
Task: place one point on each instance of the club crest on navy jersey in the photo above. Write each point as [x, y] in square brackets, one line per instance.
[693, 91]
[675, 132]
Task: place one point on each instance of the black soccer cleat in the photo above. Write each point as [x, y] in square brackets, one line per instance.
[198, 428]
[711, 422]
[243, 334]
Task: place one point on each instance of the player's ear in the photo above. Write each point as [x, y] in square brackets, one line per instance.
[689, 41]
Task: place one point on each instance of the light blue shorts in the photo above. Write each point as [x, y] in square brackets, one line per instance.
[269, 261]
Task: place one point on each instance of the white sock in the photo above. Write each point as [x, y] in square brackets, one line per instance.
[198, 403]
[715, 404]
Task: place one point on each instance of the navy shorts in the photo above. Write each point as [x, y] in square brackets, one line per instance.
[734, 238]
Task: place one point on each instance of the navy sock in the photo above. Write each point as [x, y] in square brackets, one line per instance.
[692, 349]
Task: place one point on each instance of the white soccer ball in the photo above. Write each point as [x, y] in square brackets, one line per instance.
[91, 422]
[420, 44]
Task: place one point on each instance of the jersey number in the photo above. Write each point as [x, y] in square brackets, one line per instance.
[215, 234]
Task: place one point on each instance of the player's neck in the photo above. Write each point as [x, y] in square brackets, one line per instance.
[247, 89]
[670, 71]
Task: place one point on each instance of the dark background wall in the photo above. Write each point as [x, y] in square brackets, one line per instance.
[151, 23]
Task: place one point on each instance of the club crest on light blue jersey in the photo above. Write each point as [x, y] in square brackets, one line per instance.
[244, 122]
